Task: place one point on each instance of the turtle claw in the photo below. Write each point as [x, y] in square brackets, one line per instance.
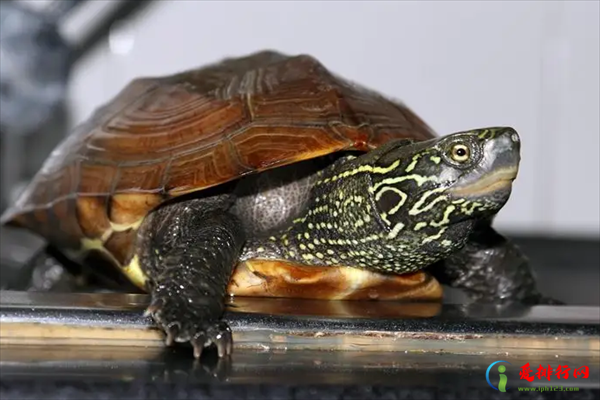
[172, 334]
[169, 339]
[218, 334]
[221, 336]
[199, 325]
[154, 308]
[198, 344]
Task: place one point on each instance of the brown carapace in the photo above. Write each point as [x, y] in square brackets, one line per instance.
[165, 137]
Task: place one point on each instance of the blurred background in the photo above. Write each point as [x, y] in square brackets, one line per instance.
[533, 65]
[529, 64]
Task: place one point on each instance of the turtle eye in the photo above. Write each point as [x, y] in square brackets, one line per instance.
[460, 153]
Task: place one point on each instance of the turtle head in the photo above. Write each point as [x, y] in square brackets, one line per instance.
[441, 182]
[428, 196]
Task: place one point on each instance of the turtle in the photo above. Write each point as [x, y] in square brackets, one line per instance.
[269, 175]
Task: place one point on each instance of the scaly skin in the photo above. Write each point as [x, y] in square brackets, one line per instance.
[188, 252]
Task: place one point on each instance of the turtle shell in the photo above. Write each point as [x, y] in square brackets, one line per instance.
[164, 137]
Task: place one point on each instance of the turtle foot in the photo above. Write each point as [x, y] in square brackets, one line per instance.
[200, 325]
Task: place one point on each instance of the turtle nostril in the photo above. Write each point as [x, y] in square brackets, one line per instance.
[515, 138]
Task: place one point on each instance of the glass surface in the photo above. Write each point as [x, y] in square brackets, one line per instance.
[104, 337]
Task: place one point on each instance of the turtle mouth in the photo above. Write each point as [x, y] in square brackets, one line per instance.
[496, 181]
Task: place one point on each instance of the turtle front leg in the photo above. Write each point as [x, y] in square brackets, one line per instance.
[188, 252]
[491, 269]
